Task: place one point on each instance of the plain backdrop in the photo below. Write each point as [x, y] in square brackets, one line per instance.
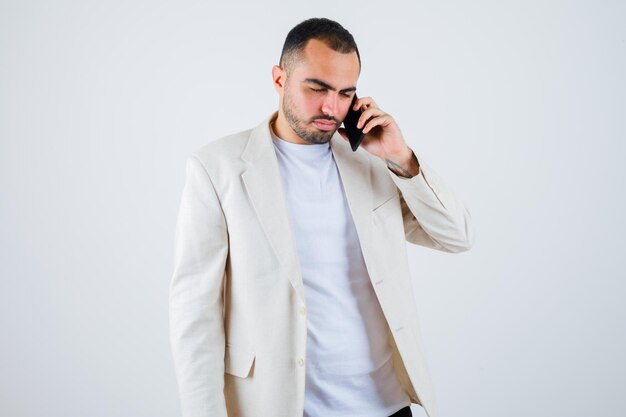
[518, 105]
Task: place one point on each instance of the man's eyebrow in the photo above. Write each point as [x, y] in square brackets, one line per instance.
[328, 86]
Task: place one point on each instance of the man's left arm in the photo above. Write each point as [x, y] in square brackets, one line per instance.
[433, 216]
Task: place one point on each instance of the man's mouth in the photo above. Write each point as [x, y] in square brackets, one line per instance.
[325, 124]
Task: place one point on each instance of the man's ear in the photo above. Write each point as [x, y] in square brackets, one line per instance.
[278, 77]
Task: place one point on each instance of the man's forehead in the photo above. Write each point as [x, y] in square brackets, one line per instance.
[332, 75]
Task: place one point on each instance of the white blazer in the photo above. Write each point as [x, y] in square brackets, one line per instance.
[237, 307]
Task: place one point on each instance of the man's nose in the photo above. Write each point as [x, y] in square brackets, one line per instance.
[330, 106]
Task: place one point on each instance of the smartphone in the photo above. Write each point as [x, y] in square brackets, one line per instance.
[354, 134]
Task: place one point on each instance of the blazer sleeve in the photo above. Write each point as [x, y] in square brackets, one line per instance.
[433, 216]
[195, 296]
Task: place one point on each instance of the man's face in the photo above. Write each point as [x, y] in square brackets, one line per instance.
[317, 95]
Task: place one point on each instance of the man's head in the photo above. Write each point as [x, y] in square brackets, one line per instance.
[316, 79]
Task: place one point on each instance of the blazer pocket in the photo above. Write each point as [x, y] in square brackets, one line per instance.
[388, 207]
[237, 361]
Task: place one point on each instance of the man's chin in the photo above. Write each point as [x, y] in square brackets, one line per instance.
[319, 136]
[325, 137]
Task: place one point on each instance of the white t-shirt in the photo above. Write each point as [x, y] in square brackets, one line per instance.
[349, 371]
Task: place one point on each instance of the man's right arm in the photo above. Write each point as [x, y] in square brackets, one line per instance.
[195, 296]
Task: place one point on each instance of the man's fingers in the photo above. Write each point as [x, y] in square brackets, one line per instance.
[368, 114]
[365, 103]
[382, 120]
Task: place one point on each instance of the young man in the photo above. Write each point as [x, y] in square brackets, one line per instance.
[291, 293]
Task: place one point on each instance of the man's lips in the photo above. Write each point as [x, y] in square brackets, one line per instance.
[325, 124]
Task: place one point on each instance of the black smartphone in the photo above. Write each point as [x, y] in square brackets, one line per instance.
[354, 134]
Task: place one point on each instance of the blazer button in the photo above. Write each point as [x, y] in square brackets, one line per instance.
[302, 311]
[300, 361]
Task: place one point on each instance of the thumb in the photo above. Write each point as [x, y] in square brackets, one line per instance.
[342, 132]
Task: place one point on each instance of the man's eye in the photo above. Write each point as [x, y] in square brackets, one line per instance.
[317, 89]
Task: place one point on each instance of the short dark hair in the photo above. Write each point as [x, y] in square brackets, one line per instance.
[328, 31]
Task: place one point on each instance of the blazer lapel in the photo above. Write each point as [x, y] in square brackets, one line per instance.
[263, 183]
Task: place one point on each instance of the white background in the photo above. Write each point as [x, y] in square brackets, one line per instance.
[518, 105]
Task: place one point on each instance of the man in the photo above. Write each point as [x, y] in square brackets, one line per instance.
[291, 293]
